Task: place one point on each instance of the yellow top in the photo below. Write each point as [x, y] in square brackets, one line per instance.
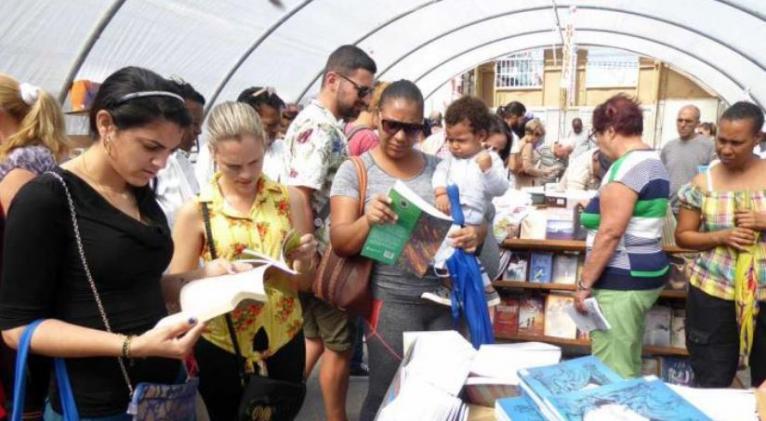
[263, 230]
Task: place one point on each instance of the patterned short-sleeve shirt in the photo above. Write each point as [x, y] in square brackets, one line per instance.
[713, 269]
[315, 146]
[36, 159]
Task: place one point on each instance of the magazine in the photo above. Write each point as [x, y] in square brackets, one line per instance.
[411, 242]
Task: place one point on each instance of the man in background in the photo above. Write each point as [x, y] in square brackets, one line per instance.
[315, 146]
[176, 184]
[683, 157]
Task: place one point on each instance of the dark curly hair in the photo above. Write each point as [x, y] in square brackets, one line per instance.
[472, 109]
[620, 112]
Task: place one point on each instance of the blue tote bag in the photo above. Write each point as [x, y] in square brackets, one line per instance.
[19, 384]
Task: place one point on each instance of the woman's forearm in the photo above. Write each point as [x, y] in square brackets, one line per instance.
[695, 240]
[55, 338]
[172, 283]
[604, 246]
[348, 239]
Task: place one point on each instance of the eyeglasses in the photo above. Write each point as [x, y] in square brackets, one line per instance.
[361, 91]
[392, 127]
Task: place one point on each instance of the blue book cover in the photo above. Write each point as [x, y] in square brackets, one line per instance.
[676, 371]
[519, 408]
[572, 375]
[649, 398]
[541, 268]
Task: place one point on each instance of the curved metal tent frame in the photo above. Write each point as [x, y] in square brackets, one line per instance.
[223, 47]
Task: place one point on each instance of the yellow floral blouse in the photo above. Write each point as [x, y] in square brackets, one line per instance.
[263, 231]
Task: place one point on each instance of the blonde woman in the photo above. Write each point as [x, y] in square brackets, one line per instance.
[531, 173]
[32, 137]
[245, 209]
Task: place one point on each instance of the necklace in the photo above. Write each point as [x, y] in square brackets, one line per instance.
[116, 199]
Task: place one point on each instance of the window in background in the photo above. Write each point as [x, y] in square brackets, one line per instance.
[608, 68]
[520, 70]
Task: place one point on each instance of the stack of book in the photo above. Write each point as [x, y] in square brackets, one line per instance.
[584, 388]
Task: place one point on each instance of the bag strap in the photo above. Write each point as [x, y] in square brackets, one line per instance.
[229, 322]
[88, 275]
[354, 131]
[68, 405]
[361, 174]
[20, 382]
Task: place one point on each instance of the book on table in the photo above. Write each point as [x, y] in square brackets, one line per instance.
[543, 383]
[494, 371]
[565, 268]
[519, 408]
[657, 331]
[540, 267]
[636, 399]
[413, 240]
[506, 321]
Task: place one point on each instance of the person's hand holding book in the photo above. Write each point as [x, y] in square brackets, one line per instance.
[302, 256]
[379, 211]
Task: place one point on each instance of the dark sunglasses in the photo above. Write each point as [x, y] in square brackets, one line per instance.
[392, 127]
[361, 91]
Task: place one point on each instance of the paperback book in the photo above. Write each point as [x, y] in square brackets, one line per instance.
[411, 242]
[544, 383]
[540, 267]
[642, 398]
[507, 317]
[532, 315]
[557, 322]
[520, 408]
[517, 267]
[565, 268]
[657, 331]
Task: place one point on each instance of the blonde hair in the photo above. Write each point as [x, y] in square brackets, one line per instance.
[231, 121]
[41, 123]
[377, 92]
[534, 126]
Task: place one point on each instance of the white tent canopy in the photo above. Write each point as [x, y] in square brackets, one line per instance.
[222, 47]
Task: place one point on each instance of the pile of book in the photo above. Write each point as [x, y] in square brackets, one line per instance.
[584, 388]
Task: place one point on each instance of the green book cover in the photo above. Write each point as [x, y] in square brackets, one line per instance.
[413, 240]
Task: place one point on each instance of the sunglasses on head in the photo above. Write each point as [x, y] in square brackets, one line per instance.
[392, 127]
[361, 91]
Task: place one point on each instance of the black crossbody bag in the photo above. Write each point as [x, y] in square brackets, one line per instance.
[263, 399]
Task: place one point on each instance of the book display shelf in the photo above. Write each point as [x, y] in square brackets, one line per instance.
[541, 275]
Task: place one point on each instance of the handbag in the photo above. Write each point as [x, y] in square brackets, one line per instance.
[149, 401]
[344, 282]
[263, 398]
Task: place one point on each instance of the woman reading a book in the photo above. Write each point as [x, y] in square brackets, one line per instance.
[243, 209]
[723, 215]
[138, 119]
[397, 291]
[625, 268]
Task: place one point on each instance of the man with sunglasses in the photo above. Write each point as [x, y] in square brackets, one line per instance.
[683, 156]
[315, 147]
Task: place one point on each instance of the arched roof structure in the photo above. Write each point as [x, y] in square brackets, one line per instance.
[222, 47]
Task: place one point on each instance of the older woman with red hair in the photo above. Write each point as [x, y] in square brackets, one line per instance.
[625, 268]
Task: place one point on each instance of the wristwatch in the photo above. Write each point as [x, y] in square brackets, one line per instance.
[580, 285]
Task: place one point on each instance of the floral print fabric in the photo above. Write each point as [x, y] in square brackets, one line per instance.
[263, 230]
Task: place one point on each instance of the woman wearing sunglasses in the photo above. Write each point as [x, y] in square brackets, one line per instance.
[401, 309]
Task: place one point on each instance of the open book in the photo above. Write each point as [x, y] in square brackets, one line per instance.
[594, 320]
[204, 299]
[411, 242]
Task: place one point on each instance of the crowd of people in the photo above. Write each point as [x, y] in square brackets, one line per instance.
[148, 220]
